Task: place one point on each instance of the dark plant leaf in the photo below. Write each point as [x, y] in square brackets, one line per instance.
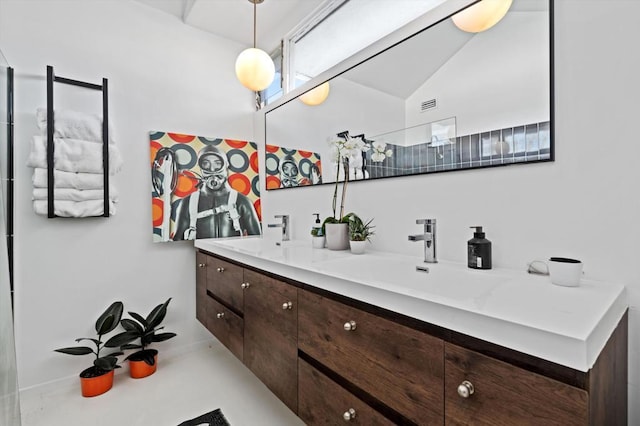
[110, 318]
[131, 325]
[148, 357]
[75, 350]
[161, 337]
[157, 314]
[96, 341]
[121, 339]
[139, 318]
[106, 363]
[127, 347]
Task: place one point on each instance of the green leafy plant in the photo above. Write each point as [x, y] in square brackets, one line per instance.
[344, 219]
[360, 230]
[144, 329]
[102, 364]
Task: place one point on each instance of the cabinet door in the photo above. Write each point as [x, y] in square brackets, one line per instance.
[401, 367]
[270, 335]
[201, 288]
[324, 402]
[507, 395]
[226, 326]
[225, 280]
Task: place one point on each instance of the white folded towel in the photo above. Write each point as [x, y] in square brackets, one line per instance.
[65, 208]
[73, 155]
[70, 180]
[73, 125]
[71, 194]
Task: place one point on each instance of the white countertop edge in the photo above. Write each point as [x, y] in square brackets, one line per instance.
[570, 351]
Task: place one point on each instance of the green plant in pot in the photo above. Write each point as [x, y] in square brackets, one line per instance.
[98, 378]
[143, 362]
[359, 233]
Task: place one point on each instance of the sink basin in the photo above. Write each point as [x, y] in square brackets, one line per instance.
[398, 273]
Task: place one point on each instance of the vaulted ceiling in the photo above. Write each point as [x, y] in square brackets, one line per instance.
[233, 19]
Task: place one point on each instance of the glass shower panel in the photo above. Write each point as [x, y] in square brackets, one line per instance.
[9, 396]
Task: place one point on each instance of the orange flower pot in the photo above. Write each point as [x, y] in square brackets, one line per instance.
[94, 386]
[140, 369]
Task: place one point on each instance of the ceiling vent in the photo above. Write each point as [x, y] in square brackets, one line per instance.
[428, 105]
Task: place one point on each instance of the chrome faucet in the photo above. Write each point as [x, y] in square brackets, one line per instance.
[429, 238]
[284, 225]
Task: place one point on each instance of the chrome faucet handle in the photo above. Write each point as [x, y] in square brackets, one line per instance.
[425, 221]
[284, 225]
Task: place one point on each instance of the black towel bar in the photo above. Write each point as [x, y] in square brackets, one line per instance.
[52, 78]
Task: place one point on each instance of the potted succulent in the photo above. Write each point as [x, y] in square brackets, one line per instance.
[359, 233]
[98, 378]
[143, 362]
[317, 237]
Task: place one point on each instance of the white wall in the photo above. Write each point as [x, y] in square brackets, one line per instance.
[584, 205]
[350, 106]
[162, 75]
[482, 84]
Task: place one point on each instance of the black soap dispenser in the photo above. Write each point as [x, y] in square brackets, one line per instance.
[479, 250]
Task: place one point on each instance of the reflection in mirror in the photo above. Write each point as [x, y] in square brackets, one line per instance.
[288, 168]
[443, 99]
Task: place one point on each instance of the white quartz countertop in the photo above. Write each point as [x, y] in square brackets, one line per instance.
[524, 312]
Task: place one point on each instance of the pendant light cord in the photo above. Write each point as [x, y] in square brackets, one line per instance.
[254, 23]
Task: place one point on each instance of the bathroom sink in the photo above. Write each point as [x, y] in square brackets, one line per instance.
[398, 273]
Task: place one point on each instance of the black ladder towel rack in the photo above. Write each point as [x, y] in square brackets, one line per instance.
[52, 78]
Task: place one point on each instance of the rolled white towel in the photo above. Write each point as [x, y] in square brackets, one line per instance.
[73, 125]
[66, 208]
[71, 194]
[73, 155]
[69, 180]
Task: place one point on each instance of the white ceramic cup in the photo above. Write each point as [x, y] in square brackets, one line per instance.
[564, 271]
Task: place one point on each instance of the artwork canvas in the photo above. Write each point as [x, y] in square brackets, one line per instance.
[203, 187]
[287, 167]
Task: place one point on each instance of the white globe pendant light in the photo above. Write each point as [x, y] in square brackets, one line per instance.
[482, 15]
[315, 96]
[254, 67]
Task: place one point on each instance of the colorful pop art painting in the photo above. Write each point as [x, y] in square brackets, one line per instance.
[286, 168]
[203, 187]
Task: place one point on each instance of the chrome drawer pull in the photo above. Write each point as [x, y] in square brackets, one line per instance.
[220, 315]
[244, 286]
[349, 414]
[466, 389]
[350, 326]
[220, 269]
[201, 265]
[287, 305]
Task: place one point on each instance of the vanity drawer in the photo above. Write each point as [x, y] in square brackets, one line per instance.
[321, 401]
[225, 280]
[201, 288]
[507, 395]
[226, 326]
[271, 335]
[401, 367]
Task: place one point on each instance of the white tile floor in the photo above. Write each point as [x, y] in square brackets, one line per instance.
[184, 387]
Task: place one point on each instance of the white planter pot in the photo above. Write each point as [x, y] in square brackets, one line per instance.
[337, 235]
[317, 242]
[357, 247]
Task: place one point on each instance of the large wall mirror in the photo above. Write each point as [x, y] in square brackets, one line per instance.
[441, 100]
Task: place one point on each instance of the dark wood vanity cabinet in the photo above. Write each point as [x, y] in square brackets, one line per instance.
[496, 393]
[271, 335]
[255, 317]
[331, 359]
[399, 366]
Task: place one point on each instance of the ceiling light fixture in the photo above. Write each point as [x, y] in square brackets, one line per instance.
[482, 15]
[315, 96]
[254, 67]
